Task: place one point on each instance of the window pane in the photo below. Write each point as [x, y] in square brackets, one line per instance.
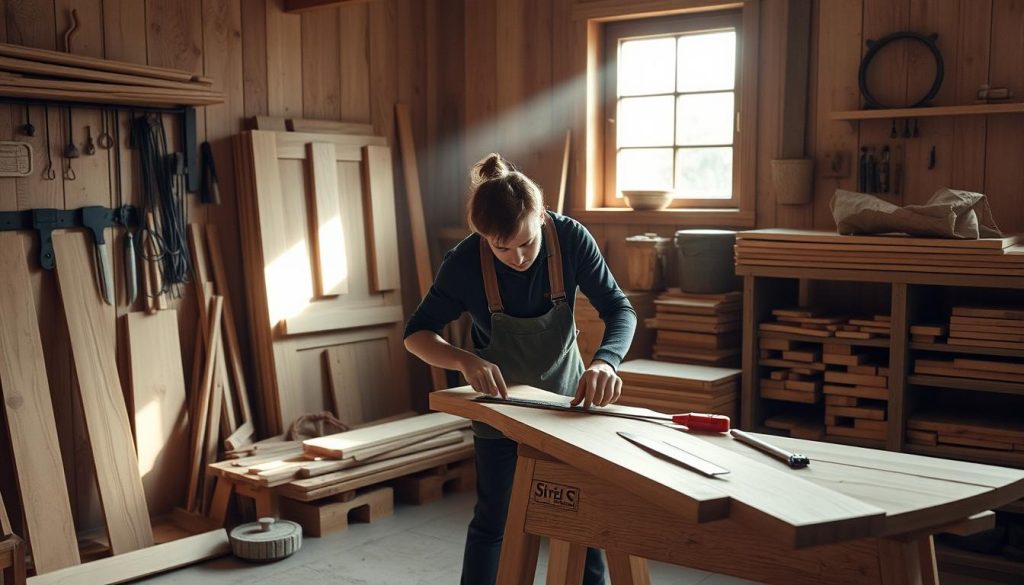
[644, 121]
[646, 66]
[644, 168]
[704, 118]
[704, 173]
[707, 61]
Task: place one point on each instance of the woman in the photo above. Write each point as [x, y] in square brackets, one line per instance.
[517, 276]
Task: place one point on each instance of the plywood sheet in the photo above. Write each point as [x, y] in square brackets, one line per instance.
[30, 420]
[91, 329]
[161, 417]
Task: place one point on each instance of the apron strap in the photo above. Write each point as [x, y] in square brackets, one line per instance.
[555, 280]
[490, 278]
[554, 262]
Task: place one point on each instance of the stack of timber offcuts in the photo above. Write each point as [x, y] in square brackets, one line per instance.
[966, 434]
[674, 388]
[326, 466]
[879, 253]
[815, 323]
[981, 370]
[990, 327]
[591, 327]
[698, 328]
[856, 393]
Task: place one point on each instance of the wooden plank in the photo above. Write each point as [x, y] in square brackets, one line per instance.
[143, 563]
[326, 224]
[344, 368]
[327, 126]
[5, 522]
[1005, 135]
[31, 425]
[352, 442]
[284, 61]
[988, 365]
[97, 64]
[816, 237]
[967, 159]
[354, 61]
[91, 333]
[161, 417]
[321, 81]
[202, 404]
[379, 208]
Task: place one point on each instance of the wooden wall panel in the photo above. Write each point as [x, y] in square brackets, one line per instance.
[1004, 175]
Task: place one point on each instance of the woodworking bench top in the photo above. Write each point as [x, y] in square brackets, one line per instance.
[846, 493]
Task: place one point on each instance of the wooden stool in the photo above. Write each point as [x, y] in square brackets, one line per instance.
[12, 560]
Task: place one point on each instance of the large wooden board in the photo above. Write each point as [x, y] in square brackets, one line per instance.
[30, 421]
[352, 443]
[91, 330]
[161, 416]
[138, 564]
[702, 375]
[782, 504]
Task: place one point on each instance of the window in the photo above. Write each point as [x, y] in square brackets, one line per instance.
[671, 102]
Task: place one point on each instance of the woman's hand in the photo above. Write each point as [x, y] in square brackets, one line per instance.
[600, 386]
[484, 376]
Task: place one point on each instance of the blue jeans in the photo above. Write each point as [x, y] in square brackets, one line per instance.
[495, 468]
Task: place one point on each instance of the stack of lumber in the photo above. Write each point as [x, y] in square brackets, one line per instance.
[796, 373]
[886, 253]
[50, 75]
[698, 328]
[927, 333]
[974, 369]
[591, 327]
[674, 388]
[856, 394]
[1001, 328]
[374, 453]
[966, 433]
[815, 323]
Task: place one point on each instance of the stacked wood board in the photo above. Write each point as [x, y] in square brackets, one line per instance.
[815, 323]
[972, 369]
[591, 327]
[887, 253]
[673, 388]
[341, 463]
[856, 394]
[51, 75]
[928, 333]
[969, 434]
[990, 327]
[319, 229]
[697, 328]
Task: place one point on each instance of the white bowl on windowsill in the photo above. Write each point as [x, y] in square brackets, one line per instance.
[648, 200]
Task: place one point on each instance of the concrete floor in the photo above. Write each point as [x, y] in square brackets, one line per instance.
[419, 545]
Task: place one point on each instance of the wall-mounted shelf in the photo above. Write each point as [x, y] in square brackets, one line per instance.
[967, 110]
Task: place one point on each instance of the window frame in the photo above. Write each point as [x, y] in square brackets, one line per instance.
[666, 26]
[582, 67]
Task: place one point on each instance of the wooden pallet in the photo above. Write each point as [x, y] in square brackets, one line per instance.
[332, 514]
[429, 486]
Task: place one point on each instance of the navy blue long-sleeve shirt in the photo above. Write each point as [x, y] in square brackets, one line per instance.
[459, 288]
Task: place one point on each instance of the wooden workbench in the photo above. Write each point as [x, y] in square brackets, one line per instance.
[853, 516]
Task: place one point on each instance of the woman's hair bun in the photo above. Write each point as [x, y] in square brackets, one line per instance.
[490, 167]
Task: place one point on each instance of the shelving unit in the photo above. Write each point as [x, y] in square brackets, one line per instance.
[931, 112]
[767, 288]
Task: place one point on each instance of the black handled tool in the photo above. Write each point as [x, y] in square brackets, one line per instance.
[794, 460]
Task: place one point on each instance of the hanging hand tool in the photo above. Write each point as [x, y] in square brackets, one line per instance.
[96, 219]
[209, 190]
[906, 128]
[28, 129]
[48, 173]
[674, 454]
[794, 460]
[70, 151]
[931, 158]
[715, 423]
[893, 133]
[104, 140]
[90, 148]
[883, 171]
[131, 279]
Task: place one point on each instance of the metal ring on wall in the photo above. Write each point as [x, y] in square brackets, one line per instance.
[874, 46]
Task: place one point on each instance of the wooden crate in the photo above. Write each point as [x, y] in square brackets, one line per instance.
[332, 514]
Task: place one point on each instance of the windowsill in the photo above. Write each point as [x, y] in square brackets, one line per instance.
[731, 218]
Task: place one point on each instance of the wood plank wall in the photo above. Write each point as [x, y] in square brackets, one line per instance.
[517, 73]
[350, 63]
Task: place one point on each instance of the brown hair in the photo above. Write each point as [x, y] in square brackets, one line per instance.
[502, 198]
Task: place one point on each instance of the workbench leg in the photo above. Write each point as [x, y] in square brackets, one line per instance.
[907, 562]
[626, 569]
[519, 550]
[15, 573]
[565, 562]
[221, 500]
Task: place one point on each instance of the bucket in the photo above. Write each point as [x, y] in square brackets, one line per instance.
[647, 261]
[705, 261]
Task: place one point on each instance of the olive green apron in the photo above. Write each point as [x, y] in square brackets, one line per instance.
[536, 351]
